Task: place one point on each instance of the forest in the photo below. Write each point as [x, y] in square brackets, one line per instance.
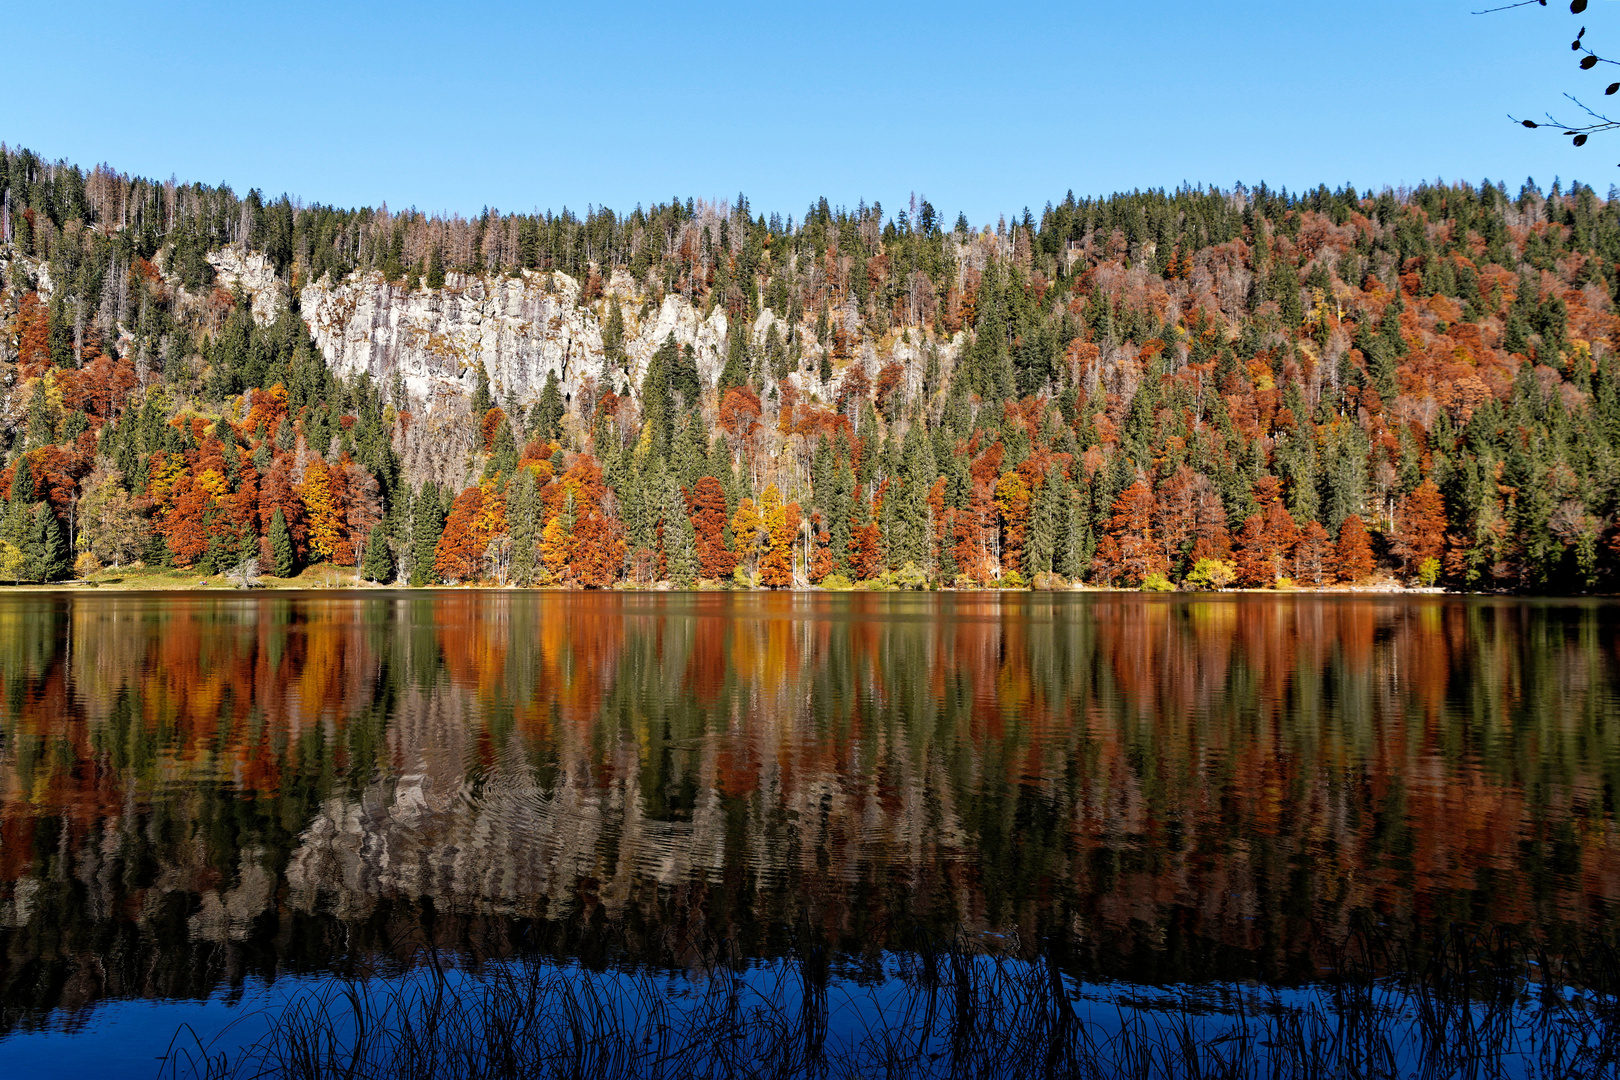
[1195, 388]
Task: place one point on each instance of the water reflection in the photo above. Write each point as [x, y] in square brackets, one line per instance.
[197, 789]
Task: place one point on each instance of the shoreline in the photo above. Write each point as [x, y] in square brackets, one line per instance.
[147, 581]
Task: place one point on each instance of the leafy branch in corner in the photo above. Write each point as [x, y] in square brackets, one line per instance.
[1594, 121]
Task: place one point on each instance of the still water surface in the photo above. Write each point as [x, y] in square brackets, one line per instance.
[205, 796]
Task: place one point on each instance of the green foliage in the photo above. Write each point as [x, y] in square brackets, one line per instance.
[1212, 575]
[378, 564]
[283, 562]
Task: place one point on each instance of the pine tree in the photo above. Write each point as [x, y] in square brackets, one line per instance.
[426, 530]
[545, 419]
[1043, 528]
[680, 539]
[656, 405]
[735, 372]
[50, 553]
[281, 546]
[378, 564]
[435, 268]
[523, 519]
[482, 401]
[613, 356]
[41, 429]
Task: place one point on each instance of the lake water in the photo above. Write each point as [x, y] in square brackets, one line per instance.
[206, 799]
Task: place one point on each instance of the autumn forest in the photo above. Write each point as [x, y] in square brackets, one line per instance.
[1194, 389]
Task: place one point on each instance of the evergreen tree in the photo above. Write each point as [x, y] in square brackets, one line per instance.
[545, 418]
[428, 526]
[1043, 528]
[680, 539]
[378, 564]
[482, 401]
[523, 523]
[281, 546]
[657, 408]
[49, 553]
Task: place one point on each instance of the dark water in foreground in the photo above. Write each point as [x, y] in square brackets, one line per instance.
[203, 798]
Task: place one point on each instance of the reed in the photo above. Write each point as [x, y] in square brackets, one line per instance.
[1472, 1005]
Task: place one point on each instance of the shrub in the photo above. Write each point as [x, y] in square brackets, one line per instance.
[1157, 582]
[1212, 575]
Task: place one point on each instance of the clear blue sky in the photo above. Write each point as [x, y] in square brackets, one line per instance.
[984, 108]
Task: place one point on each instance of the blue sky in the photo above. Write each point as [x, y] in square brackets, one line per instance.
[980, 107]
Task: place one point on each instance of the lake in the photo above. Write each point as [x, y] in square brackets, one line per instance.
[208, 798]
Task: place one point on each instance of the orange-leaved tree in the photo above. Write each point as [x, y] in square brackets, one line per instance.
[460, 554]
[1131, 529]
[1420, 532]
[708, 507]
[1354, 551]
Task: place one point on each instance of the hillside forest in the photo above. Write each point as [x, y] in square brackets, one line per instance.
[1196, 388]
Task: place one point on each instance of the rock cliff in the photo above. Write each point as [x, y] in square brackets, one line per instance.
[520, 327]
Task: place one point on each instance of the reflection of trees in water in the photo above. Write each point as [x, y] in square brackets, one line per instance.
[194, 789]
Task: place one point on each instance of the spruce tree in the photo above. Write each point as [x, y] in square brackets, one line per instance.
[545, 419]
[378, 564]
[482, 400]
[1039, 547]
[428, 527]
[281, 546]
[680, 539]
[656, 406]
[523, 522]
[50, 546]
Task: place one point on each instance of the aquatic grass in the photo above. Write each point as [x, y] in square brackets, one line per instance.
[1473, 1005]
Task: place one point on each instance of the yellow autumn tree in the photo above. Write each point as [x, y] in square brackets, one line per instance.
[751, 533]
[557, 540]
[320, 511]
[781, 527]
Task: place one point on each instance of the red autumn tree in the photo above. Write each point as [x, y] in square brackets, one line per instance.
[33, 335]
[1354, 553]
[183, 525]
[598, 548]
[1313, 555]
[865, 542]
[460, 554]
[489, 425]
[1131, 529]
[1420, 528]
[276, 492]
[708, 506]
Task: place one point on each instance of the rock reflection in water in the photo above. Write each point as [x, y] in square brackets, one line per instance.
[196, 788]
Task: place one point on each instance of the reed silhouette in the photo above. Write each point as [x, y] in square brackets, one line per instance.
[1466, 1005]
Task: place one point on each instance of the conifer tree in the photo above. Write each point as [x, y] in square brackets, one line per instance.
[50, 545]
[482, 401]
[523, 520]
[281, 546]
[378, 564]
[680, 539]
[545, 418]
[435, 268]
[427, 527]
